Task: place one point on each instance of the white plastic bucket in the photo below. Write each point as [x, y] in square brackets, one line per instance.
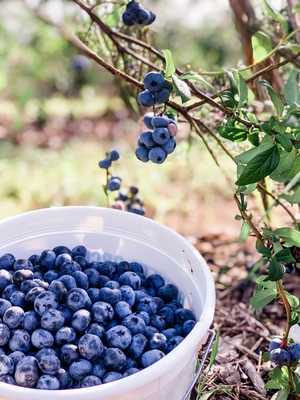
[116, 235]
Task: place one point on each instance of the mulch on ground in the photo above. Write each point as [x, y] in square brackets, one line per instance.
[244, 332]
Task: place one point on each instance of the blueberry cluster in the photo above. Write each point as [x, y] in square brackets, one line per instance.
[157, 92]
[66, 322]
[130, 201]
[136, 14]
[281, 356]
[155, 144]
[114, 182]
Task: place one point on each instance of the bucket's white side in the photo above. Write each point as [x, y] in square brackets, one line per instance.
[116, 235]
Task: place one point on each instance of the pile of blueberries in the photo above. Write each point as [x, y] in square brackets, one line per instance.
[136, 14]
[66, 322]
[157, 92]
[282, 356]
[157, 143]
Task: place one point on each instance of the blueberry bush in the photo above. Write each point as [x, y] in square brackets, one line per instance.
[251, 111]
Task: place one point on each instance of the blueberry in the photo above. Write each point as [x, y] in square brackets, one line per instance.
[68, 353]
[150, 357]
[34, 259]
[155, 280]
[136, 267]
[187, 327]
[102, 312]
[126, 18]
[114, 359]
[158, 322]
[169, 333]
[168, 292]
[62, 258]
[134, 323]
[16, 356]
[294, 351]
[157, 155]
[148, 120]
[280, 356]
[81, 279]
[174, 342]
[128, 294]
[142, 153]
[4, 334]
[49, 364]
[33, 293]
[153, 82]
[96, 329]
[51, 275]
[131, 279]
[42, 283]
[168, 315]
[161, 96]
[122, 309]
[48, 382]
[58, 288]
[27, 285]
[137, 346]
[79, 369]
[23, 264]
[158, 341]
[81, 320]
[93, 276]
[7, 261]
[66, 334]
[44, 301]
[114, 183]
[161, 136]
[111, 296]
[83, 262]
[275, 343]
[8, 291]
[99, 369]
[47, 259]
[144, 315]
[19, 340]
[68, 314]
[160, 121]
[145, 99]
[152, 17]
[76, 299]
[170, 146]
[107, 268]
[146, 139]
[5, 278]
[4, 305]
[112, 376]
[131, 363]
[64, 378]
[114, 155]
[27, 372]
[79, 250]
[130, 371]
[112, 285]
[132, 6]
[140, 16]
[62, 249]
[13, 317]
[52, 320]
[147, 304]
[41, 338]
[69, 267]
[6, 365]
[45, 350]
[118, 336]
[31, 321]
[93, 294]
[7, 379]
[68, 281]
[183, 314]
[90, 380]
[22, 275]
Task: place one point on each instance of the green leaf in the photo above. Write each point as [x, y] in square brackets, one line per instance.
[245, 157]
[261, 45]
[242, 88]
[181, 88]
[293, 47]
[285, 256]
[266, 283]
[276, 269]
[233, 83]
[289, 235]
[259, 166]
[291, 89]
[278, 17]
[263, 250]
[285, 141]
[262, 298]
[276, 99]
[207, 395]
[266, 128]
[170, 67]
[192, 76]
[292, 199]
[286, 163]
[297, 382]
[113, 18]
[289, 174]
[232, 133]
[281, 395]
[244, 233]
[281, 376]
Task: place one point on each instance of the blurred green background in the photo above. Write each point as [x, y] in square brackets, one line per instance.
[57, 123]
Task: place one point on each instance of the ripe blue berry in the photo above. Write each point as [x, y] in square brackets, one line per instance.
[280, 356]
[90, 347]
[161, 96]
[146, 139]
[294, 351]
[275, 343]
[157, 155]
[114, 155]
[153, 82]
[105, 163]
[145, 99]
[150, 357]
[140, 16]
[142, 153]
